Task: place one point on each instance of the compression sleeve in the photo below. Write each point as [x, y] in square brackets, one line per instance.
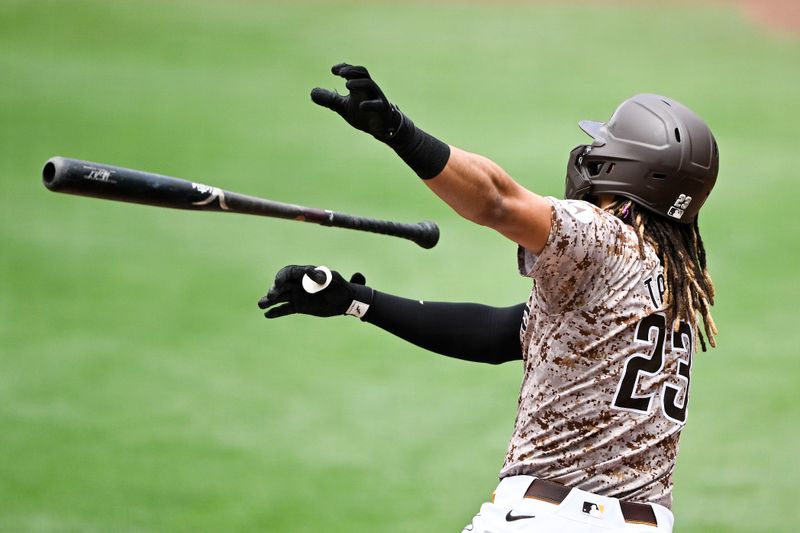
[469, 331]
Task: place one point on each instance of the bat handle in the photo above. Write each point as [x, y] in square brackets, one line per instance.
[425, 234]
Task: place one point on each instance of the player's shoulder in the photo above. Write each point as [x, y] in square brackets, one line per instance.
[586, 229]
[582, 213]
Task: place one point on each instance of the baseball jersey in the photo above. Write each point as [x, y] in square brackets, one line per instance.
[605, 387]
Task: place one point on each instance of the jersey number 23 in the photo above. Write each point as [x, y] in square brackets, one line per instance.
[681, 343]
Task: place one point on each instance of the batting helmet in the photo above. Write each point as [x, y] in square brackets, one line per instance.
[654, 151]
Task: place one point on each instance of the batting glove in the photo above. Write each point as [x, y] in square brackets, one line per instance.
[365, 108]
[319, 296]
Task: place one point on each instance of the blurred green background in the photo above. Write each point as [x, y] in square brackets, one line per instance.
[140, 388]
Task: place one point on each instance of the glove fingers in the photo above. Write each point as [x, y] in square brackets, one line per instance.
[272, 296]
[287, 280]
[350, 72]
[365, 84]
[366, 89]
[281, 310]
[329, 99]
[276, 295]
[263, 302]
[358, 278]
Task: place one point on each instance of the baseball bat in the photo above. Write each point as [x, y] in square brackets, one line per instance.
[84, 178]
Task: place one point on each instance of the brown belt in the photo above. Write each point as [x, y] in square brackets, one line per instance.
[552, 492]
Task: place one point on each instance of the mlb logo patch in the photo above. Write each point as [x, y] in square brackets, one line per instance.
[681, 203]
[594, 509]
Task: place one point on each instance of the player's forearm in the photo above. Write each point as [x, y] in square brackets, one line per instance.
[468, 331]
[481, 191]
[474, 186]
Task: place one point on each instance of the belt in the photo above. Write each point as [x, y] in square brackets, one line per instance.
[552, 492]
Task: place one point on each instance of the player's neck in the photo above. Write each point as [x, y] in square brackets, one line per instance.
[604, 200]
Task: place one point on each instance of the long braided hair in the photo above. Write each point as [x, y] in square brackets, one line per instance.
[679, 247]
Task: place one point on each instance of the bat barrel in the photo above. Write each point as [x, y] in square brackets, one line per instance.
[98, 180]
[73, 176]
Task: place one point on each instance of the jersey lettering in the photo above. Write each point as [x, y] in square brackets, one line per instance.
[657, 292]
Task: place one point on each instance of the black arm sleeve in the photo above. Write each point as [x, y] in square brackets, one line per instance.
[467, 331]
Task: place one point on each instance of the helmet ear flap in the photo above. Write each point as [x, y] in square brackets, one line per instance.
[578, 185]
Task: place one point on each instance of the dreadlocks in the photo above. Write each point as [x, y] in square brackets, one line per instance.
[690, 291]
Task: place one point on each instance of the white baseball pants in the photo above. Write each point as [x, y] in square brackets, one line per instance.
[579, 512]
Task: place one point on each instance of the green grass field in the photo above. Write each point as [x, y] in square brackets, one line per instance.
[140, 388]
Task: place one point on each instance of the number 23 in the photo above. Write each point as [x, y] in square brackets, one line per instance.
[682, 343]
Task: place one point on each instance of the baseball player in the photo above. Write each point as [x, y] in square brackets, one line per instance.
[619, 301]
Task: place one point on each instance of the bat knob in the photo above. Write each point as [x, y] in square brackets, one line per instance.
[429, 235]
[311, 286]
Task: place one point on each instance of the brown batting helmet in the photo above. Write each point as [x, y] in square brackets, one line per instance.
[654, 151]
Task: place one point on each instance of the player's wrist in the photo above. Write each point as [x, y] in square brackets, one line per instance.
[425, 154]
[360, 301]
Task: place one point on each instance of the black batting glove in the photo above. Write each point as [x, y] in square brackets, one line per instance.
[339, 297]
[365, 108]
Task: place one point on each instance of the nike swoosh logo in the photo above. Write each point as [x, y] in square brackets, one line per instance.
[511, 518]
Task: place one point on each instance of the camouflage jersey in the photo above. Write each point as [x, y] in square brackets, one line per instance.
[604, 394]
